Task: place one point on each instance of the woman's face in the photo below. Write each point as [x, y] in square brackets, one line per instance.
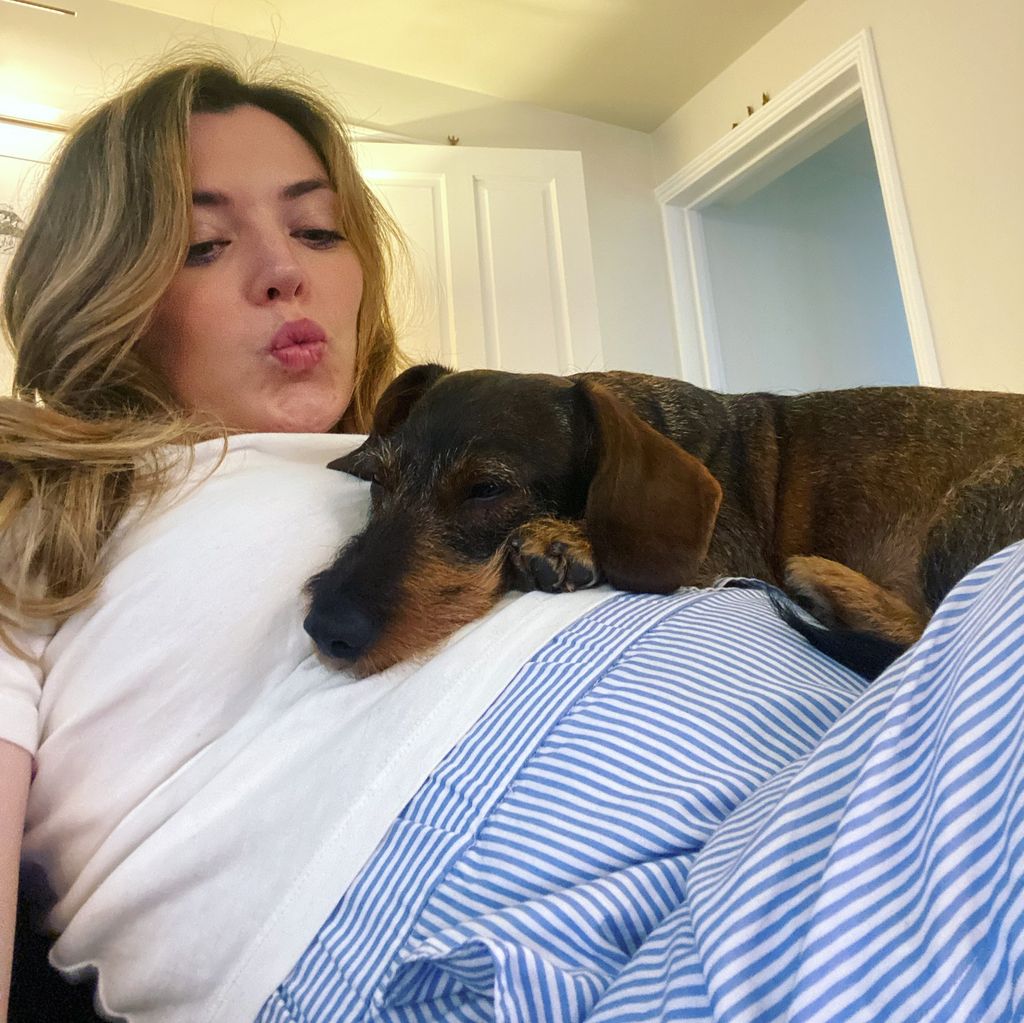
[258, 328]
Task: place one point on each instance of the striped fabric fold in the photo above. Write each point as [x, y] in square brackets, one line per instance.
[883, 880]
[679, 811]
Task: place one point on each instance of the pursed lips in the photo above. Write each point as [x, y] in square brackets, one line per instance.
[299, 344]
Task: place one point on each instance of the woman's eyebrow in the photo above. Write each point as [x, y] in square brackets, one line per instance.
[293, 191]
[304, 187]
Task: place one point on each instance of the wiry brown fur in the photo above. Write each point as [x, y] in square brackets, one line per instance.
[868, 503]
[866, 607]
[438, 597]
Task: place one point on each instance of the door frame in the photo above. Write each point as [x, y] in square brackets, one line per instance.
[800, 120]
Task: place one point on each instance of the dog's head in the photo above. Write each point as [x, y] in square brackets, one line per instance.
[458, 461]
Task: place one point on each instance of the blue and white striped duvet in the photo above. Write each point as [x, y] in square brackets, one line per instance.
[677, 811]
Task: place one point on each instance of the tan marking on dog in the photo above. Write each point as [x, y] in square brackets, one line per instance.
[852, 600]
[438, 598]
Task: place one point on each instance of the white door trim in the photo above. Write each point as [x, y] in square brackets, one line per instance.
[776, 137]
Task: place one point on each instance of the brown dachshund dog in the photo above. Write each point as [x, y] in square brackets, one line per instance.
[867, 505]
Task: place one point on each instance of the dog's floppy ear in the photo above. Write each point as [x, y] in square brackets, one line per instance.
[651, 507]
[393, 408]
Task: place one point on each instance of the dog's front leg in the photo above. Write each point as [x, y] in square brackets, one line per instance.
[553, 555]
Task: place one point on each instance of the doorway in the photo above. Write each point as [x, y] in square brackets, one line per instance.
[789, 247]
[804, 278]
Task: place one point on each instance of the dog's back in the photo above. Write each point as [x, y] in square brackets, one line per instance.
[843, 474]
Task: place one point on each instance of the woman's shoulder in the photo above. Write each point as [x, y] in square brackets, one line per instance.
[315, 448]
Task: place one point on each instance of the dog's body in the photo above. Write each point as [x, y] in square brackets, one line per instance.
[869, 503]
[871, 479]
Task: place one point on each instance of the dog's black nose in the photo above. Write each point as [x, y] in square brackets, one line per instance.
[342, 632]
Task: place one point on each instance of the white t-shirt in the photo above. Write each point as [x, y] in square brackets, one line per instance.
[206, 788]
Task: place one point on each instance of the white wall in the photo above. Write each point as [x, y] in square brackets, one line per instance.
[804, 279]
[953, 78]
[52, 66]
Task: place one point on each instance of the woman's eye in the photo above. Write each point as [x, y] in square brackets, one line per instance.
[319, 238]
[202, 253]
[486, 490]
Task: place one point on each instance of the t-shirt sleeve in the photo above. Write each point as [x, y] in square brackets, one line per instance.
[21, 684]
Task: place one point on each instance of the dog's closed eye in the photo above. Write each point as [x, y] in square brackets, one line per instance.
[486, 490]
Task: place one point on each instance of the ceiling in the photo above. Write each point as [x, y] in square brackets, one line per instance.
[627, 62]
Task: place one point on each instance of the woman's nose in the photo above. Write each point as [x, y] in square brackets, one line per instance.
[278, 275]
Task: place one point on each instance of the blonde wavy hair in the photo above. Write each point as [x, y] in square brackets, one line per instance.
[81, 437]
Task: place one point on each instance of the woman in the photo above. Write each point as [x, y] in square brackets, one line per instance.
[205, 258]
[584, 807]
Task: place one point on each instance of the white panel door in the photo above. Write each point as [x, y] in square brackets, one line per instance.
[500, 244]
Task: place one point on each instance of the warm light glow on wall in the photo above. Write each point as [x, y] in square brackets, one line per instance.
[15, 85]
[27, 139]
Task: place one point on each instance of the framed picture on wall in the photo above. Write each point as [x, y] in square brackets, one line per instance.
[26, 149]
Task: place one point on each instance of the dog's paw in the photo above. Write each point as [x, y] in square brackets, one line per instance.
[553, 555]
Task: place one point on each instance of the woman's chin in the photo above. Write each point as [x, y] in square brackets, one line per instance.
[299, 413]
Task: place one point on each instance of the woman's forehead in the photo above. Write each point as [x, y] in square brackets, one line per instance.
[247, 150]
